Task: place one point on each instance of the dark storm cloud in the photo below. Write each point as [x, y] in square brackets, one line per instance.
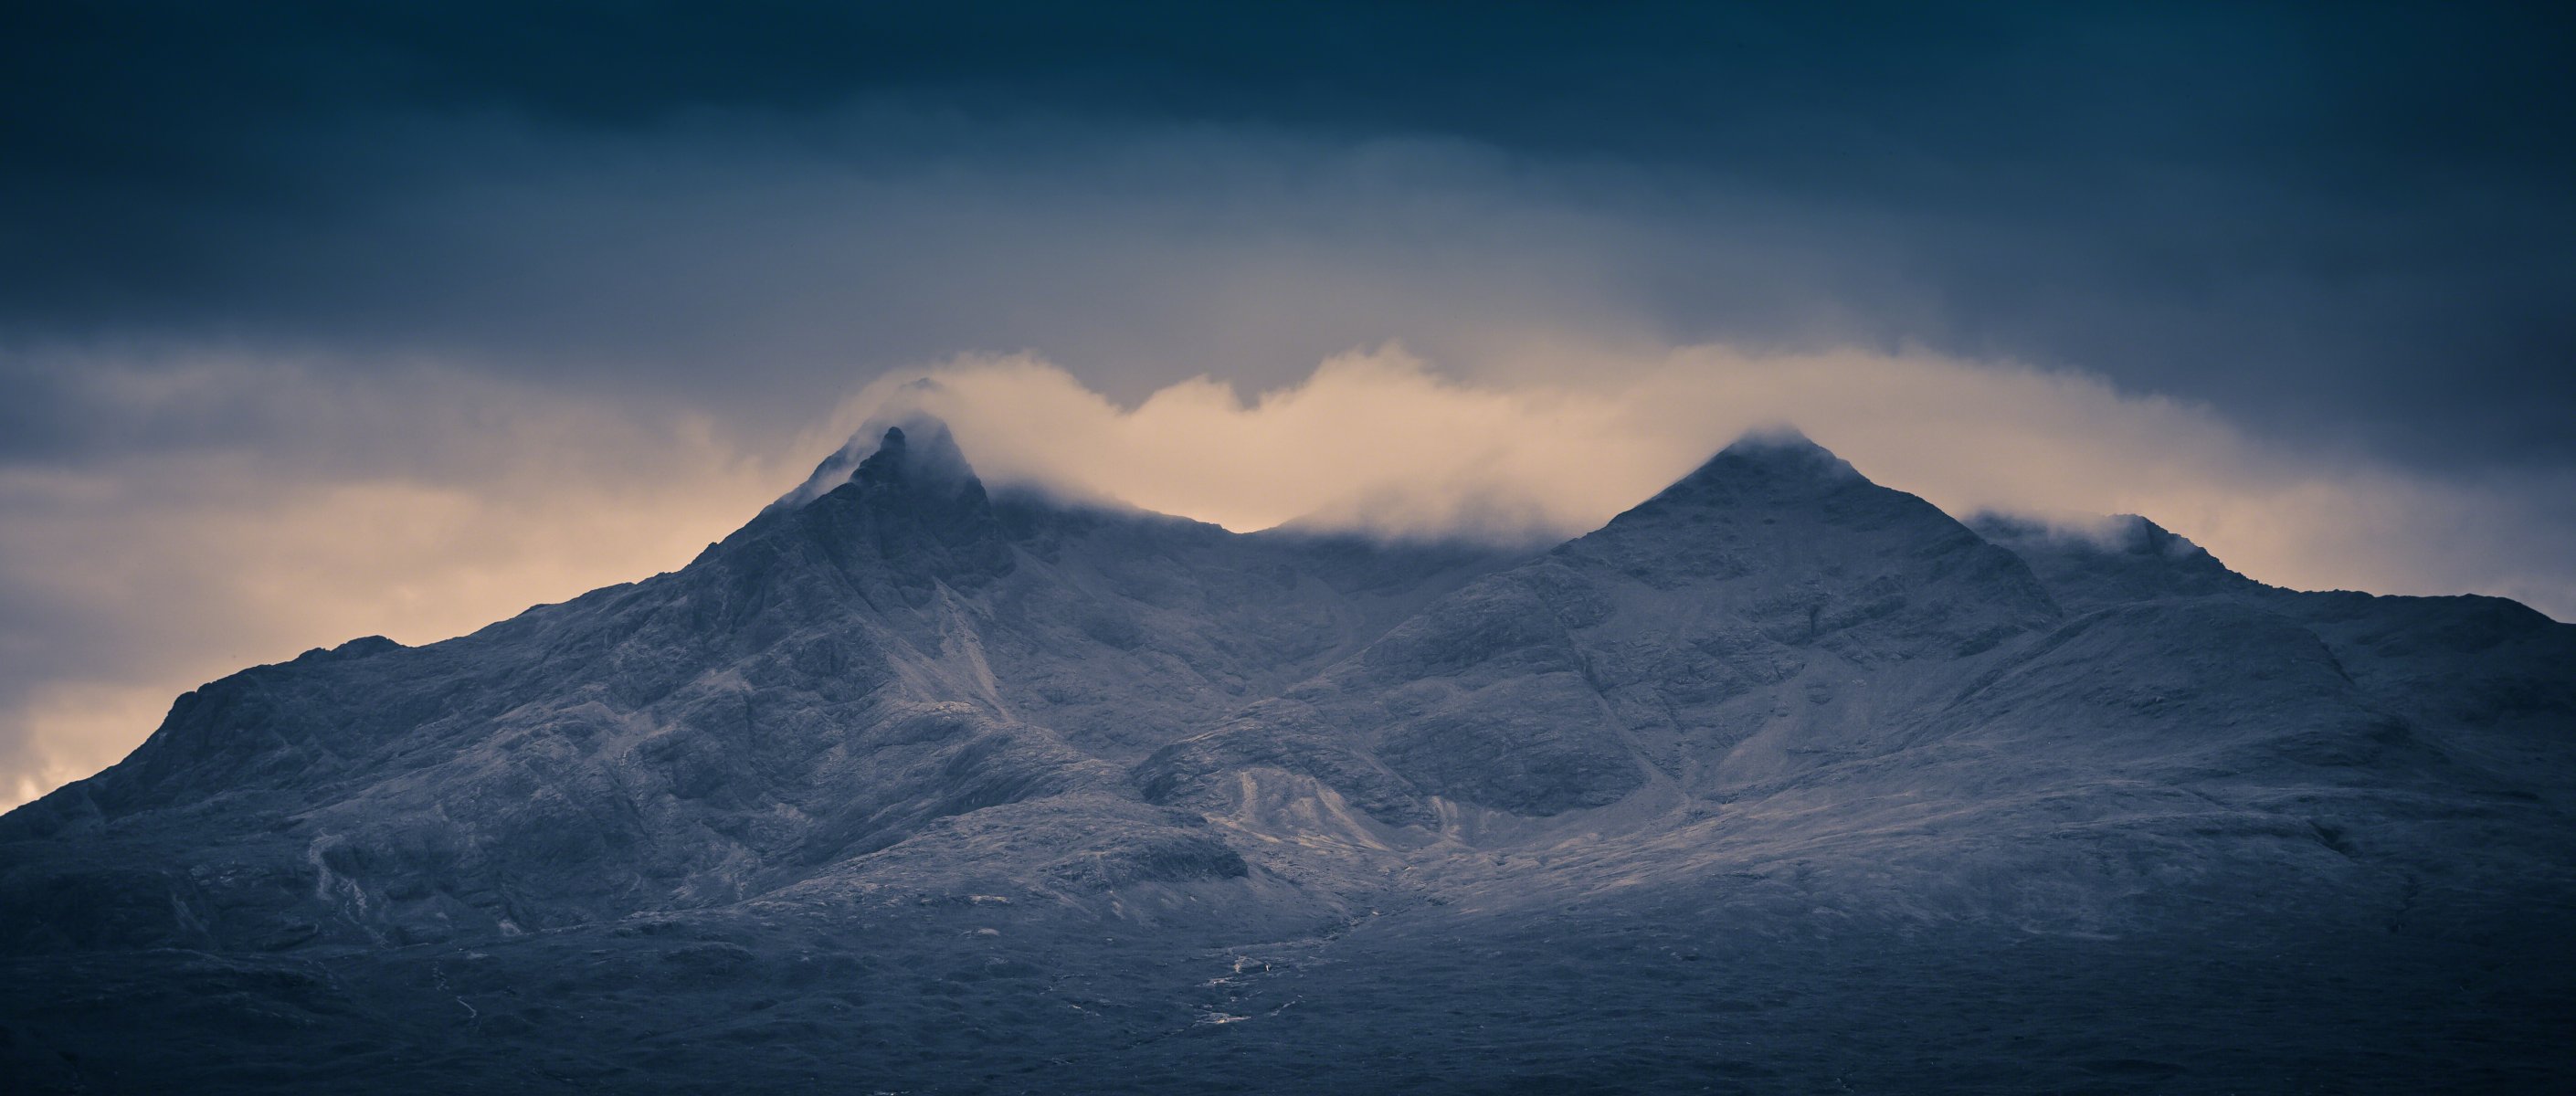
[2346, 220]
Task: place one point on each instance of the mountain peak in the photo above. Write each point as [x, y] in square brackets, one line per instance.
[928, 457]
[1781, 450]
[1778, 435]
[1777, 465]
[918, 451]
[1798, 544]
[894, 513]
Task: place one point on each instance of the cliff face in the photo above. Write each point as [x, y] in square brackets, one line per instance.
[898, 711]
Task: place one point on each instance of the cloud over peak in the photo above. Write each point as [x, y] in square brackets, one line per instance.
[1384, 442]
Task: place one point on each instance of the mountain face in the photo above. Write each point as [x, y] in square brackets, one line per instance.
[1780, 779]
[817, 687]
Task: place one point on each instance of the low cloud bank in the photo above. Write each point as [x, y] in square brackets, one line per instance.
[427, 501]
[1384, 442]
[419, 506]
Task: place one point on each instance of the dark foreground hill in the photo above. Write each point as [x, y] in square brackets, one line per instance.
[1782, 781]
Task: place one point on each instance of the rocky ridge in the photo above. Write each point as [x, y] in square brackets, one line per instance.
[898, 712]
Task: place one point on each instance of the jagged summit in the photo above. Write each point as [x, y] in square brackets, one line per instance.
[908, 516]
[926, 459]
[917, 449]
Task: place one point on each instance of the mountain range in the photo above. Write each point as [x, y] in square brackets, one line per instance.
[1780, 781]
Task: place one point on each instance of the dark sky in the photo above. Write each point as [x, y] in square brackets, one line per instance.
[2351, 220]
[324, 319]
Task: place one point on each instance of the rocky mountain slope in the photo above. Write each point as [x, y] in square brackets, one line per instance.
[1782, 780]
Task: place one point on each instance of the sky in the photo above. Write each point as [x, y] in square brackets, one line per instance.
[327, 320]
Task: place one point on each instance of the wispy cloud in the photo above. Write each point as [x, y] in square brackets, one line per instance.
[1383, 441]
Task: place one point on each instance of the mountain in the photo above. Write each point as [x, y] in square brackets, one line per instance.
[1780, 780]
[1652, 654]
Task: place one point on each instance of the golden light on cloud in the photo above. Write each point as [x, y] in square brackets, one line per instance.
[1383, 441]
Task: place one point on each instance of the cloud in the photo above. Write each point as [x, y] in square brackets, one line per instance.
[420, 507]
[724, 254]
[1382, 441]
[430, 501]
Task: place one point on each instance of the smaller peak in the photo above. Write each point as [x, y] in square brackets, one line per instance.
[2109, 560]
[2139, 536]
[360, 647]
[2116, 534]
